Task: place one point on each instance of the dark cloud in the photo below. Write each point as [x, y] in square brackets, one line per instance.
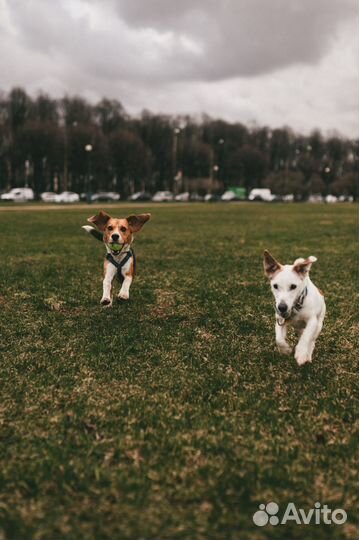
[270, 61]
[199, 40]
[241, 38]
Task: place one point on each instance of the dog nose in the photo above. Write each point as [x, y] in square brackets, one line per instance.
[115, 237]
[282, 307]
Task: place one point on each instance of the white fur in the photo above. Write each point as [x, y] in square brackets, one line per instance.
[110, 274]
[308, 321]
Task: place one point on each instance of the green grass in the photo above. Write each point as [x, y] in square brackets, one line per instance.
[173, 416]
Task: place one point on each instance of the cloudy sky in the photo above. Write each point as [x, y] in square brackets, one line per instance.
[270, 62]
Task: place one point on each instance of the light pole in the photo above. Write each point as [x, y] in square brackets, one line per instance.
[63, 123]
[221, 149]
[88, 149]
[327, 172]
[176, 133]
[27, 172]
[215, 176]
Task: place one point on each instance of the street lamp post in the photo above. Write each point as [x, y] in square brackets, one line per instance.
[176, 133]
[221, 162]
[215, 176]
[66, 133]
[27, 172]
[88, 149]
[327, 171]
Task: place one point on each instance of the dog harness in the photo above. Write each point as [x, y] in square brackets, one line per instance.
[299, 303]
[120, 264]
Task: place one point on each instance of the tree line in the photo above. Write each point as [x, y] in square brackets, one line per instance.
[70, 144]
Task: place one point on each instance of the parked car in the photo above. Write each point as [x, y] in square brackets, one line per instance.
[48, 196]
[234, 194]
[288, 198]
[331, 198]
[67, 197]
[346, 198]
[140, 196]
[261, 194]
[229, 196]
[210, 197]
[105, 196]
[183, 197]
[162, 196]
[18, 195]
[195, 197]
[315, 198]
[186, 196]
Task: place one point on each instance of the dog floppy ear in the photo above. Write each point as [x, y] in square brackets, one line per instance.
[302, 266]
[271, 266]
[100, 220]
[136, 222]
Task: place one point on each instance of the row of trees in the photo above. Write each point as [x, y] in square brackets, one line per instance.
[55, 145]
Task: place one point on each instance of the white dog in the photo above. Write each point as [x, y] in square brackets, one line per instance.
[297, 302]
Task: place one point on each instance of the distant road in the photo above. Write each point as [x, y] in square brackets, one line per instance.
[17, 207]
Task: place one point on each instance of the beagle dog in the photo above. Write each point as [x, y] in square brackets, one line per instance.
[298, 302]
[117, 235]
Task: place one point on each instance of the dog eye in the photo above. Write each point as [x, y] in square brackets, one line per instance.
[110, 228]
[292, 287]
[123, 229]
[275, 286]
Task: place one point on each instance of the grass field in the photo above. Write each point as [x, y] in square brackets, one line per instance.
[173, 416]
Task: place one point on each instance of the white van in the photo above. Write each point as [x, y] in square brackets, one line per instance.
[162, 196]
[18, 195]
[261, 194]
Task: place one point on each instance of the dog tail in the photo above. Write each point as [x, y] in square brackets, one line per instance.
[94, 232]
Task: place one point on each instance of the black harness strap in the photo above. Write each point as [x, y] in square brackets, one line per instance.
[299, 303]
[120, 264]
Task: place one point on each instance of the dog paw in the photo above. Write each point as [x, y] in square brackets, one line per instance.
[106, 302]
[123, 296]
[302, 357]
[284, 348]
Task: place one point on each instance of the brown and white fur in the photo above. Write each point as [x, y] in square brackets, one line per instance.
[298, 302]
[118, 231]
